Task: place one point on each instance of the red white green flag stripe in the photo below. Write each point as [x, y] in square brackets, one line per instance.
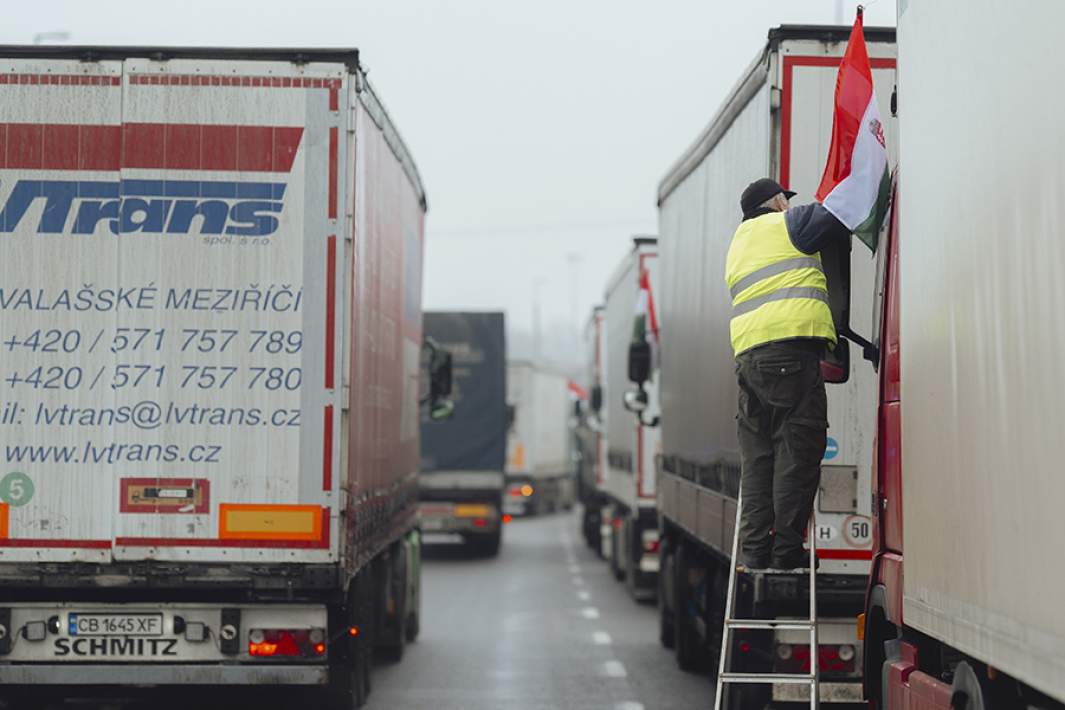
[856, 183]
[645, 319]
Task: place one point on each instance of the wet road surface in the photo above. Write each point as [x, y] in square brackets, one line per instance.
[543, 626]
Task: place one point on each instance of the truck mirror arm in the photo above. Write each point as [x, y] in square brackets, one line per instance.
[870, 351]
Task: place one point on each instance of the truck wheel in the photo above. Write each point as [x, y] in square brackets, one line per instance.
[666, 630]
[967, 692]
[344, 690]
[414, 626]
[615, 552]
[488, 546]
[687, 646]
[393, 636]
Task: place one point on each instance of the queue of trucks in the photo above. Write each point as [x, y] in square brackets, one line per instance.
[228, 427]
[952, 313]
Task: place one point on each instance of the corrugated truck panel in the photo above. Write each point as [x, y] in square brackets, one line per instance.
[780, 125]
[981, 303]
[191, 206]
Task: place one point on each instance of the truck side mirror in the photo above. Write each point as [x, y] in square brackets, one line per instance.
[441, 409]
[596, 398]
[440, 372]
[511, 416]
[836, 365]
[636, 400]
[639, 361]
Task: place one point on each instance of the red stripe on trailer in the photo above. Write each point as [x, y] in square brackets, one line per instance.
[73, 544]
[327, 452]
[61, 79]
[334, 138]
[334, 96]
[180, 146]
[844, 554]
[320, 544]
[330, 310]
[206, 147]
[785, 101]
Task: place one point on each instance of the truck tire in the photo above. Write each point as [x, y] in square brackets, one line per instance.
[393, 634]
[487, 545]
[967, 692]
[615, 552]
[414, 612]
[689, 649]
[666, 630]
[344, 690]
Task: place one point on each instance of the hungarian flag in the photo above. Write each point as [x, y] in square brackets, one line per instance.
[856, 183]
[645, 320]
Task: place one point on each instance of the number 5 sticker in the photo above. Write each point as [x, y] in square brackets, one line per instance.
[16, 489]
[857, 531]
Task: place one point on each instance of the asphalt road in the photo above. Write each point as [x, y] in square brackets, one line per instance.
[543, 626]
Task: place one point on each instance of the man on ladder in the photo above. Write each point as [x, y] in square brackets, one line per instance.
[781, 326]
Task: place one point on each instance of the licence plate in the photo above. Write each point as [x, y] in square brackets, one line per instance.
[432, 524]
[97, 624]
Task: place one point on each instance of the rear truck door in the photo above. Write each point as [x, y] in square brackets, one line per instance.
[60, 132]
[231, 212]
[172, 299]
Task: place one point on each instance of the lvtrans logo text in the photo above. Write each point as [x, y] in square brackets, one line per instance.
[175, 207]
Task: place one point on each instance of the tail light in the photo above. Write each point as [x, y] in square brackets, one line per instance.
[650, 542]
[795, 658]
[288, 643]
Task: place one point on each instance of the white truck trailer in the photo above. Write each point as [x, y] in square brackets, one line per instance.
[629, 521]
[591, 457]
[210, 299]
[776, 122]
[964, 607]
[539, 471]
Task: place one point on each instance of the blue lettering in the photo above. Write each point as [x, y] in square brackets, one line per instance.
[134, 206]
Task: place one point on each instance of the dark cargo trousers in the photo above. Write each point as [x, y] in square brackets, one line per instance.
[783, 421]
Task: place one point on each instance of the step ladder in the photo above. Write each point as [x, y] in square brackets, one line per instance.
[725, 676]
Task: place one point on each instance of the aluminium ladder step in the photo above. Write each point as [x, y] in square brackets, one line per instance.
[771, 624]
[793, 678]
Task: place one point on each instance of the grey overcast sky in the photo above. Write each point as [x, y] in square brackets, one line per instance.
[541, 128]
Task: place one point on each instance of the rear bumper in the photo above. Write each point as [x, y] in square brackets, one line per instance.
[160, 674]
[461, 518]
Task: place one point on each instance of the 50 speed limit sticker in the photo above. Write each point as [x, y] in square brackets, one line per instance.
[857, 531]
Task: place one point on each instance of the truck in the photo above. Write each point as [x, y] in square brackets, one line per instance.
[210, 295]
[776, 122]
[539, 471]
[629, 520]
[964, 608]
[463, 458]
[588, 430]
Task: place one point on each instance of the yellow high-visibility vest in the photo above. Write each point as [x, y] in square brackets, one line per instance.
[778, 292]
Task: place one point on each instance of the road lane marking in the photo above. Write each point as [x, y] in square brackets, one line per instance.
[584, 595]
[590, 612]
[629, 705]
[614, 669]
[574, 569]
[601, 638]
[578, 581]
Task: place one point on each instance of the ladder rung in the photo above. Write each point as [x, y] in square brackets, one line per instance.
[785, 624]
[766, 678]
